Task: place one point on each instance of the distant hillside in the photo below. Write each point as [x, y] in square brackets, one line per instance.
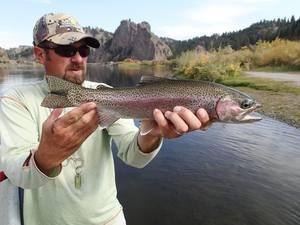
[3, 56]
[267, 30]
[22, 53]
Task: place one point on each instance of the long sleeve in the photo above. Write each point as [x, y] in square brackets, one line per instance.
[20, 127]
[125, 135]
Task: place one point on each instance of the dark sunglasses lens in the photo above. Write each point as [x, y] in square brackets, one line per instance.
[65, 51]
[70, 51]
[84, 51]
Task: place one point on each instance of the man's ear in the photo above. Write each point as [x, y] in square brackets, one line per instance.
[40, 54]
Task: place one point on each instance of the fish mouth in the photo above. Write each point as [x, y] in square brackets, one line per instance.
[244, 116]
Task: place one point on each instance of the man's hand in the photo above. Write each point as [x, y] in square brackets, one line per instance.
[171, 124]
[62, 136]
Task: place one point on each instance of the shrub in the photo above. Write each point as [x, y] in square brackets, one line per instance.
[210, 66]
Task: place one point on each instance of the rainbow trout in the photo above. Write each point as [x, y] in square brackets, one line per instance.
[221, 103]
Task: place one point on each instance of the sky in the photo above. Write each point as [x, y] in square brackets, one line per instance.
[177, 19]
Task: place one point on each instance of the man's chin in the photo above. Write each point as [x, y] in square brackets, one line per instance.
[75, 76]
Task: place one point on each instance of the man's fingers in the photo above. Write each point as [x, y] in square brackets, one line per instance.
[52, 118]
[56, 113]
[203, 117]
[87, 122]
[163, 124]
[75, 115]
[191, 120]
[159, 118]
[183, 120]
[166, 129]
[179, 124]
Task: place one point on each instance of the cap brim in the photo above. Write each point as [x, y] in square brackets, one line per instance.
[71, 37]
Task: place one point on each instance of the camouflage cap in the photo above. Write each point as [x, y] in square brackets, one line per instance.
[61, 29]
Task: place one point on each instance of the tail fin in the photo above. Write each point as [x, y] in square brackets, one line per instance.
[57, 98]
[60, 86]
[56, 101]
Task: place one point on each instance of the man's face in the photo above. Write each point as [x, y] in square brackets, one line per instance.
[69, 68]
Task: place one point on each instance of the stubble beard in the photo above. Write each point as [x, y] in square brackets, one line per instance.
[69, 74]
[75, 78]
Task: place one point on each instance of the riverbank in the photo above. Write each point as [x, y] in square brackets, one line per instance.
[14, 64]
[280, 100]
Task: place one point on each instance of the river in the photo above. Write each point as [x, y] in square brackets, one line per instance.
[233, 174]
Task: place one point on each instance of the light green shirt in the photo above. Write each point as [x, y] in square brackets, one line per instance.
[55, 200]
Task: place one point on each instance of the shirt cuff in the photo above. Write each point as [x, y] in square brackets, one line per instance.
[144, 158]
[154, 152]
[55, 172]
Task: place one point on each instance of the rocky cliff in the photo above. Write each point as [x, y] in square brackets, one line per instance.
[104, 37]
[136, 41]
[130, 40]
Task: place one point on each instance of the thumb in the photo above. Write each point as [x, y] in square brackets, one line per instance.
[149, 127]
[51, 119]
[55, 114]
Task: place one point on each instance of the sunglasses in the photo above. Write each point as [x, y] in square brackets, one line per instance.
[69, 50]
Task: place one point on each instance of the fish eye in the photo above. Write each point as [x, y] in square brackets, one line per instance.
[247, 103]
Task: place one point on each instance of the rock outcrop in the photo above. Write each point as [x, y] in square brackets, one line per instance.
[104, 37]
[130, 40]
[136, 41]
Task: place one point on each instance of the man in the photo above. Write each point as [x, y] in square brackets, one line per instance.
[62, 159]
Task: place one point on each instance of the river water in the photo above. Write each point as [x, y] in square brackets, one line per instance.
[233, 174]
